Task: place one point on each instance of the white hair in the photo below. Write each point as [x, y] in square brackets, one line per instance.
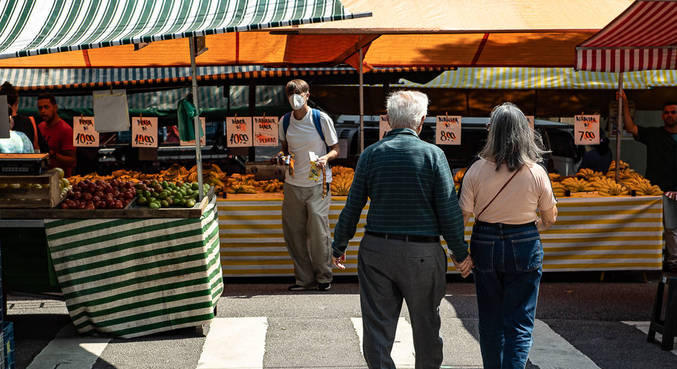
[406, 109]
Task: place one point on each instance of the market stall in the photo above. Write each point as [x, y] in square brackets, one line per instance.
[591, 234]
[134, 271]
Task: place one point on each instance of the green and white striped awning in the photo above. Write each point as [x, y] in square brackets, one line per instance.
[545, 78]
[31, 27]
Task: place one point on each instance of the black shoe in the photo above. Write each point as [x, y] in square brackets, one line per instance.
[323, 286]
[296, 288]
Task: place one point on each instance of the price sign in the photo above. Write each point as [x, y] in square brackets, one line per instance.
[144, 132]
[203, 140]
[265, 131]
[530, 118]
[448, 130]
[383, 126]
[84, 134]
[586, 129]
[239, 130]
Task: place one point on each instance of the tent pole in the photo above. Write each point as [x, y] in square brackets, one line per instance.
[619, 128]
[361, 104]
[196, 119]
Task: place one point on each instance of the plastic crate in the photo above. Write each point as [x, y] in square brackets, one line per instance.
[8, 345]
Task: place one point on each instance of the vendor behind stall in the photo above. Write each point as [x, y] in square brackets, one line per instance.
[58, 133]
[661, 168]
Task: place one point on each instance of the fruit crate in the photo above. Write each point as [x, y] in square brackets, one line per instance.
[31, 191]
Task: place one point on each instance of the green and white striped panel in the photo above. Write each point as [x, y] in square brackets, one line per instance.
[133, 277]
[31, 27]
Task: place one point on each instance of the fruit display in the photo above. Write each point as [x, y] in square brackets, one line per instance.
[591, 182]
[604, 184]
[99, 194]
[342, 179]
[238, 183]
[165, 194]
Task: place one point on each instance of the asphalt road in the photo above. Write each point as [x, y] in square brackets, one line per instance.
[580, 325]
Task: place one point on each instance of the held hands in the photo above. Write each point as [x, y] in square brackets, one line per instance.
[339, 262]
[671, 195]
[464, 267]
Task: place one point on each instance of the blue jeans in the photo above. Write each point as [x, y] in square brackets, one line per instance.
[508, 267]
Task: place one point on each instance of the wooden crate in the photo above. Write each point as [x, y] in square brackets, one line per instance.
[26, 196]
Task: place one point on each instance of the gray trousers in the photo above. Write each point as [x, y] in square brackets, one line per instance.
[305, 223]
[670, 230]
[392, 270]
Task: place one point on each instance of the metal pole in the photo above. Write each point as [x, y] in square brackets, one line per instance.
[196, 119]
[361, 105]
[619, 129]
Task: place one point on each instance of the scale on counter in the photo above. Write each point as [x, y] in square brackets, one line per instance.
[23, 164]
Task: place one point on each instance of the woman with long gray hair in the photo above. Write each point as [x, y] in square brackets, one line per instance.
[510, 196]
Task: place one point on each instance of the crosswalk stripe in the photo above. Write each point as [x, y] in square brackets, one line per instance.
[644, 328]
[234, 343]
[552, 351]
[69, 351]
[403, 349]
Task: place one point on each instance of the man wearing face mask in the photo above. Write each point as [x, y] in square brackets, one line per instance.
[306, 133]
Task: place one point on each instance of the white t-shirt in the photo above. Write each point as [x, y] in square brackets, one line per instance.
[518, 203]
[302, 138]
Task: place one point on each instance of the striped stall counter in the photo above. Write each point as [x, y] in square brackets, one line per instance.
[133, 277]
[591, 234]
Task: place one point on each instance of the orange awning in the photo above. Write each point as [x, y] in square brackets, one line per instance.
[404, 33]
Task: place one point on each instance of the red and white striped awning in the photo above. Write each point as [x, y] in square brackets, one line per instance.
[643, 37]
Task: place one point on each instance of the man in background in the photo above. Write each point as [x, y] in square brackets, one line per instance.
[661, 168]
[58, 133]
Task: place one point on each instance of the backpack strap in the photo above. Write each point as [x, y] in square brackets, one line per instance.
[318, 123]
[285, 124]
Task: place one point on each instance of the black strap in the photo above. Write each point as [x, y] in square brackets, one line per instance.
[499, 192]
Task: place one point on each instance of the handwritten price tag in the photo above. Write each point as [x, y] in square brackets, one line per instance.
[203, 140]
[84, 134]
[530, 118]
[586, 129]
[383, 126]
[265, 131]
[144, 132]
[448, 130]
[239, 131]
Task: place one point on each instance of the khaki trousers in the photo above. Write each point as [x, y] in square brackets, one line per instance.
[305, 223]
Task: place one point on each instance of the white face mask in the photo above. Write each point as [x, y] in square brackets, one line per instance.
[297, 101]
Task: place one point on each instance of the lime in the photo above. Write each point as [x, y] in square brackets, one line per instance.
[154, 205]
[164, 203]
[190, 203]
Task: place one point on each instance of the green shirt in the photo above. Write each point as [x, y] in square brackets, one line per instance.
[411, 190]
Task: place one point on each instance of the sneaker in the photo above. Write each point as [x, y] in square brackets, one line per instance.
[324, 286]
[296, 288]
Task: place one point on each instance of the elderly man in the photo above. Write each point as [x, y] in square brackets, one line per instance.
[412, 202]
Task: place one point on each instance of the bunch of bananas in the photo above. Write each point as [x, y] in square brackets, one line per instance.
[558, 189]
[642, 186]
[577, 185]
[588, 174]
[238, 183]
[342, 179]
[613, 189]
[554, 177]
[271, 186]
[458, 177]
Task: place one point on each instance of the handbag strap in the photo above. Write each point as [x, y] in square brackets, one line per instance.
[499, 192]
